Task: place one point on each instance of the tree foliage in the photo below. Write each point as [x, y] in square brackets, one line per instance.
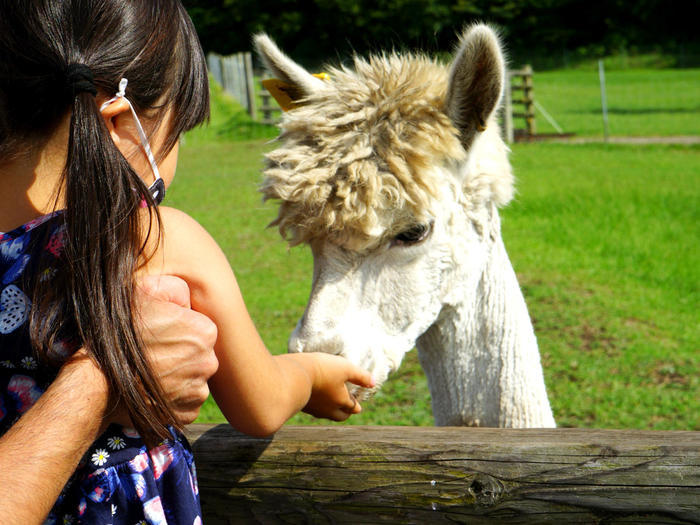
[318, 30]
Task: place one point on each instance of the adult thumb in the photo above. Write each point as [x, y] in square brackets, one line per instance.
[167, 288]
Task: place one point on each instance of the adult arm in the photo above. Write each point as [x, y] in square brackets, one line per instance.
[41, 451]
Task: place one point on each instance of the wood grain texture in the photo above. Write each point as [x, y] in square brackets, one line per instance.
[447, 475]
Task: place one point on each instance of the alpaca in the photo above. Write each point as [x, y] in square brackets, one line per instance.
[392, 172]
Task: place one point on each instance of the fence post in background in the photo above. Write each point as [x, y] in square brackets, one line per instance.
[235, 74]
[226, 75]
[250, 85]
[214, 65]
[508, 110]
[529, 100]
[242, 81]
[603, 100]
[236, 84]
[265, 107]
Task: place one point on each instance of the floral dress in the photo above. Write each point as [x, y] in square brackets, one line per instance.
[118, 480]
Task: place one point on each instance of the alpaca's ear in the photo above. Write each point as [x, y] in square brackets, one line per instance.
[476, 81]
[300, 82]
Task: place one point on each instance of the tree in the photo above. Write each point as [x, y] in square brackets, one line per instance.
[315, 31]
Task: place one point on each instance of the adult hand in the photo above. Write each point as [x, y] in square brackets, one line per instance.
[179, 343]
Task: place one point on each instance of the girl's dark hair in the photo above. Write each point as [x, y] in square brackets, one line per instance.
[154, 45]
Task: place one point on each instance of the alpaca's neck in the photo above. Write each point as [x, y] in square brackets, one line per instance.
[481, 356]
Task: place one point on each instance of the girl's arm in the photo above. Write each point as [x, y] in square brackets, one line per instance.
[256, 392]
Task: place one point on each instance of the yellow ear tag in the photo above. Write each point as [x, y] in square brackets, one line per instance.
[280, 91]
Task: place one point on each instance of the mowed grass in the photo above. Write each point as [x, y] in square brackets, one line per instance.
[641, 102]
[604, 239]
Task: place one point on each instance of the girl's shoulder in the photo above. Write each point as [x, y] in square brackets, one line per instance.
[176, 223]
[183, 247]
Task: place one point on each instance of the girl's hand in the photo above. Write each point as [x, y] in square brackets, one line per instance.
[330, 397]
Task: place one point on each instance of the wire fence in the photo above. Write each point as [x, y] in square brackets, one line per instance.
[640, 103]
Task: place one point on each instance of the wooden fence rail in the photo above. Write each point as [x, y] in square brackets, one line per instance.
[447, 475]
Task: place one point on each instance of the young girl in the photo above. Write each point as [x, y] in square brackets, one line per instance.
[78, 175]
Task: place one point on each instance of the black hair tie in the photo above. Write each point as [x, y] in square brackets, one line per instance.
[79, 79]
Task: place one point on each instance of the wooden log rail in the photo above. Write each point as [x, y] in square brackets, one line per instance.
[447, 475]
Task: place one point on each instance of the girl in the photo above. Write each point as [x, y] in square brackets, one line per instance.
[78, 174]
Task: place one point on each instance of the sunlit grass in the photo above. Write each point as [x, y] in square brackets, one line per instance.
[605, 239]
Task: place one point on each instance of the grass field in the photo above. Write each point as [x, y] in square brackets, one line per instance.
[659, 102]
[604, 239]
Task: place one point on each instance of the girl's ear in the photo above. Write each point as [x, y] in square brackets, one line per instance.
[110, 114]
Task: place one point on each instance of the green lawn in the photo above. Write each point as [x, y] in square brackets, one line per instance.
[604, 239]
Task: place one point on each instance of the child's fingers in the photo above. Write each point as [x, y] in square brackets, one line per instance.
[346, 410]
[357, 408]
[339, 415]
[360, 377]
[351, 406]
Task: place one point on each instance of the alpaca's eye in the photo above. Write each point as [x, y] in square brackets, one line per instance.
[413, 235]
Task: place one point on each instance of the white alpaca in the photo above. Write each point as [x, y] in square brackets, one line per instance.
[392, 172]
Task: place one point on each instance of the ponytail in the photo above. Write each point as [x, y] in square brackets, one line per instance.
[102, 248]
[92, 296]
[54, 57]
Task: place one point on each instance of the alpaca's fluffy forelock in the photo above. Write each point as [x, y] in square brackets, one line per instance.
[358, 159]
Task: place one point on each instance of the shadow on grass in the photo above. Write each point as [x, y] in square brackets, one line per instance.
[639, 111]
[239, 126]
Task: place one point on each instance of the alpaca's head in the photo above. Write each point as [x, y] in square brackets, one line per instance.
[391, 171]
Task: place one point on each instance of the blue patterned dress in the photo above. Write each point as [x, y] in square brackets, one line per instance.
[118, 480]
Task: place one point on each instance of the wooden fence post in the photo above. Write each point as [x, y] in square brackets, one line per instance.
[214, 66]
[508, 110]
[529, 100]
[250, 85]
[350, 474]
[526, 86]
[235, 74]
